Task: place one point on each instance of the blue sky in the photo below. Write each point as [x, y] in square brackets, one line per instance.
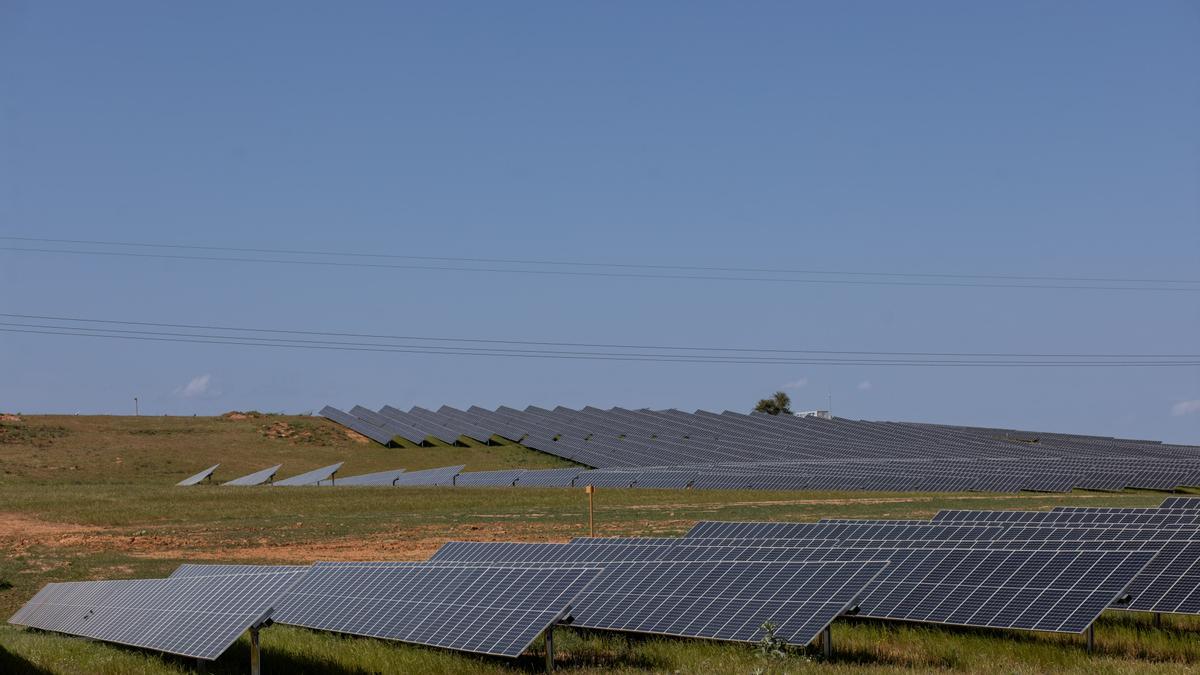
[1024, 138]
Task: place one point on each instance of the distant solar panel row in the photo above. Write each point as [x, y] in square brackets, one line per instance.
[703, 450]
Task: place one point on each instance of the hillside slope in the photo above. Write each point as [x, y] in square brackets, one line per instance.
[66, 449]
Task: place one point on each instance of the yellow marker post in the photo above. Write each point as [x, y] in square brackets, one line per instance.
[590, 490]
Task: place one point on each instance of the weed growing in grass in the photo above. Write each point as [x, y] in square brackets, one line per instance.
[771, 646]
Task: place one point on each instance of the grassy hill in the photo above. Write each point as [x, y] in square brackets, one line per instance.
[64, 449]
[93, 497]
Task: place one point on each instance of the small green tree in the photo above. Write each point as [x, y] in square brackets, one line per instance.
[778, 403]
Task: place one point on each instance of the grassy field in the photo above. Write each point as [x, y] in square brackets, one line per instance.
[92, 497]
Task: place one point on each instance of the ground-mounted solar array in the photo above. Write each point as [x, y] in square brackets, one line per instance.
[703, 450]
[1051, 571]
[190, 615]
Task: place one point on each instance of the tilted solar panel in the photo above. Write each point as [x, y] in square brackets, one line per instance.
[724, 600]
[216, 570]
[1180, 503]
[502, 478]
[377, 478]
[256, 478]
[1042, 590]
[439, 476]
[517, 552]
[491, 609]
[313, 477]
[196, 616]
[198, 478]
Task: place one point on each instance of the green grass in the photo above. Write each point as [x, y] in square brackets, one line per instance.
[69, 510]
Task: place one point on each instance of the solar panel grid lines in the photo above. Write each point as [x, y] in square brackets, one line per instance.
[487, 609]
[542, 553]
[192, 616]
[1180, 503]
[216, 570]
[256, 478]
[417, 429]
[500, 478]
[724, 600]
[354, 424]
[1062, 516]
[453, 429]
[198, 478]
[1056, 591]
[549, 477]
[1170, 584]
[638, 541]
[378, 478]
[314, 477]
[429, 477]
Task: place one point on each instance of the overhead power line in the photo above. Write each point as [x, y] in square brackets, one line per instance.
[575, 268]
[532, 349]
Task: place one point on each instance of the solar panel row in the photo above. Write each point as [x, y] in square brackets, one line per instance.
[703, 450]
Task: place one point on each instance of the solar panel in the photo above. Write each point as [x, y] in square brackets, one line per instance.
[549, 477]
[200, 477]
[1065, 516]
[216, 570]
[1171, 582]
[377, 478]
[440, 476]
[493, 609]
[313, 477]
[196, 616]
[704, 450]
[491, 551]
[1180, 503]
[724, 600]
[256, 478]
[358, 426]
[502, 478]
[1042, 590]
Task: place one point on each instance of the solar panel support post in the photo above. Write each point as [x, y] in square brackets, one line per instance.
[255, 654]
[1091, 638]
[827, 642]
[550, 648]
[1158, 619]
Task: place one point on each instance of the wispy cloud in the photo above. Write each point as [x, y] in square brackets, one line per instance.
[797, 383]
[1186, 408]
[865, 385]
[198, 386]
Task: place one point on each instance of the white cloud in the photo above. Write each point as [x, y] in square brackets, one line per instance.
[201, 385]
[797, 384]
[865, 385]
[1186, 408]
